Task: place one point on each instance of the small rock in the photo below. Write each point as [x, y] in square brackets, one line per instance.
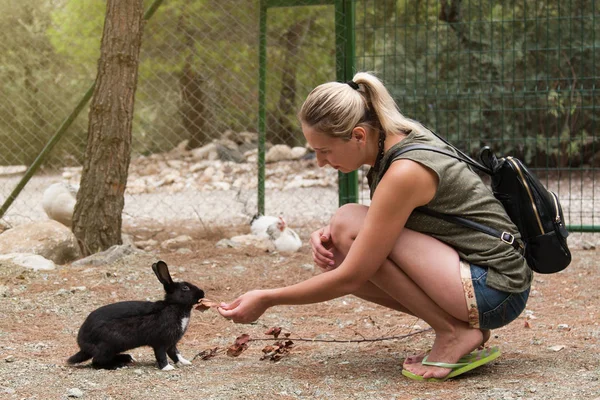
[557, 347]
[74, 392]
[107, 256]
[30, 261]
[279, 152]
[298, 152]
[146, 244]
[225, 243]
[177, 242]
[10, 359]
[240, 269]
[588, 245]
[63, 292]
[308, 267]
[9, 170]
[3, 226]
[563, 327]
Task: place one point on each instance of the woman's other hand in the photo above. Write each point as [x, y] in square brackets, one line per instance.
[320, 242]
[245, 309]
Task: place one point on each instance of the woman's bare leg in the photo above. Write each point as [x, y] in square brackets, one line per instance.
[372, 293]
[421, 276]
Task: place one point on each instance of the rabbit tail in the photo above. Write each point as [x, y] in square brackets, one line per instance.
[79, 357]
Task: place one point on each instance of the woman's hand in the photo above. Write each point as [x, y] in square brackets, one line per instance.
[245, 309]
[320, 242]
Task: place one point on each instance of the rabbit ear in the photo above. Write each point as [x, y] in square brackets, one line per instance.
[162, 273]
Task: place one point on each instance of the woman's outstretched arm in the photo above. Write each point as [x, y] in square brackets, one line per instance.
[405, 186]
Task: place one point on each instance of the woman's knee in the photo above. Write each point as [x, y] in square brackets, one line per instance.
[345, 225]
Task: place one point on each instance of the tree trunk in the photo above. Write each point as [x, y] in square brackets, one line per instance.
[192, 111]
[100, 200]
[294, 38]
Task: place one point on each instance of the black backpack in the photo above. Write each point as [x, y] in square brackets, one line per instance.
[535, 211]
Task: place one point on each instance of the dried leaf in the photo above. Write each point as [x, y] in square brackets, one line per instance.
[202, 307]
[239, 346]
[527, 324]
[277, 351]
[275, 331]
[268, 349]
[207, 354]
[205, 304]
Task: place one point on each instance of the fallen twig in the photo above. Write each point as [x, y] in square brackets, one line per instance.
[241, 344]
[347, 340]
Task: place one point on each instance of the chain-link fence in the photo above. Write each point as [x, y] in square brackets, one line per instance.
[520, 76]
[195, 124]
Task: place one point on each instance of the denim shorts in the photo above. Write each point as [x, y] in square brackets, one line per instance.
[496, 308]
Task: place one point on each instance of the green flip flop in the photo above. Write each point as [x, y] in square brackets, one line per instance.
[464, 364]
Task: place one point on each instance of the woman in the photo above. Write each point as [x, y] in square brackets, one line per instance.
[460, 281]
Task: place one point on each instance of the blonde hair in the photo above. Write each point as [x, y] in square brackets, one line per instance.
[335, 108]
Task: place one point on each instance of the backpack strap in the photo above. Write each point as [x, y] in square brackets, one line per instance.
[506, 237]
[463, 155]
[460, 156]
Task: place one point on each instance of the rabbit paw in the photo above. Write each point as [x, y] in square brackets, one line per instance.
[168, 367]
[182, 360]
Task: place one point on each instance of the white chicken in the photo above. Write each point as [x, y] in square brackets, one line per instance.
[260, 224]
[59, 202]
[276, 230]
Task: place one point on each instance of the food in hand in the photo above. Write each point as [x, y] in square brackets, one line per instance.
[205, 304]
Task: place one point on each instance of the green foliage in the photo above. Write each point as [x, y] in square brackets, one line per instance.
[490, 72]
[76, 31]
[314, 63]
[35, 85]
[520, 76]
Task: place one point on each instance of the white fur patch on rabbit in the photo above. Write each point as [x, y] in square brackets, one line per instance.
[184, 323]
[183, 361]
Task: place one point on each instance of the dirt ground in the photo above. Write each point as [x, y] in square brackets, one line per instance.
[550, 352]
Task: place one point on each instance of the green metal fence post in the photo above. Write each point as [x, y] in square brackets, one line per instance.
[345, 67]
[262, 89]
[344, 31]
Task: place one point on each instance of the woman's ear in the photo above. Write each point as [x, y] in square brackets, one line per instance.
[359, 134]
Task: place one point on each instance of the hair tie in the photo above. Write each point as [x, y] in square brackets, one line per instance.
[353, 85]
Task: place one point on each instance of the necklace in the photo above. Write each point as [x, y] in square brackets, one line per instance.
[380, 150]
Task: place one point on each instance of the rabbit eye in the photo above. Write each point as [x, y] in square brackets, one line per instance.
[185, 288]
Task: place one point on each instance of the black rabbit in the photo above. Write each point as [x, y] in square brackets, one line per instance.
[114, 328]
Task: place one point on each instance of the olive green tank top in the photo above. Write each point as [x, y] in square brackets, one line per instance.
[461, 192]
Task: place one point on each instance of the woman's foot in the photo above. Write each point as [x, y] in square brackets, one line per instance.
[448, 347]
[417, 358]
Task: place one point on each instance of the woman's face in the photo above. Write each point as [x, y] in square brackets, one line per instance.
[343, 155]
